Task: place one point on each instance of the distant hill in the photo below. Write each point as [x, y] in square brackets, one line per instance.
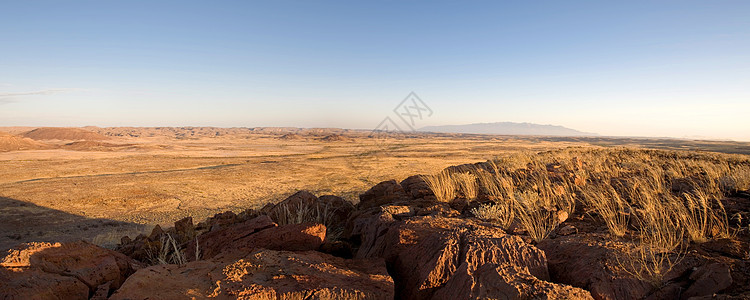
[9, 142]
[508, 128]
[63, 133]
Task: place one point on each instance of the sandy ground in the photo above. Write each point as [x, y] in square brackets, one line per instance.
[102, 192]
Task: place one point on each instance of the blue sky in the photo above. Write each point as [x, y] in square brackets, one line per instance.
[652, 68]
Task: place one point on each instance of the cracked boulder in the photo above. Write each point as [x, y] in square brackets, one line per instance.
[433, 257]
[382, 193]
[259, 232]
[62, 271]
[591, 262]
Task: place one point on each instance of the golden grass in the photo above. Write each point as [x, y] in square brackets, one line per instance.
[646, 263]
[495, 212]
[531, 213]
[700, 219]
[467, 184]
[442, 185]
[614, 211]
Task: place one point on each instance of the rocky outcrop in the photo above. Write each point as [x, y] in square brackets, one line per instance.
[33, 283]
[212, 242]
[589, 262]
[709, 279]
[303, 204]
[382, 193]
[259, 232]
[142, 247]
[416, 187]
[263, 274]
[62, 271]
[433, 257]
[502, 281]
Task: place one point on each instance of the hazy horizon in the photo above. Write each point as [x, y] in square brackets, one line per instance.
[666, 69]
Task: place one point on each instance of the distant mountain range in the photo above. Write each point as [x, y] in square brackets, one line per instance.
[508, 128]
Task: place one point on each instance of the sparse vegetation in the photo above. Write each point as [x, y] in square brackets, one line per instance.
[167, 252]
[309, 213]
[495, 212]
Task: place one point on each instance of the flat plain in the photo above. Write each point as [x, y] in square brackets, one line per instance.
[59, 185]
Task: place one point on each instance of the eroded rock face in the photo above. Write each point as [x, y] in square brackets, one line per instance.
[263, 274]
[336, 208]
[211, 243]
[709, 279]
[416, 187]
[503, 281]
[589, 262]
[68, 270]
[434, 257]
[21, 283]
[382, 193]
[260, 232]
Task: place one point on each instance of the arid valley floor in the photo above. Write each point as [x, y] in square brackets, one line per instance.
[100, 184]
[108, 184]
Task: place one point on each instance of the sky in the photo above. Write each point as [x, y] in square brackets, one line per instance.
[629, 68]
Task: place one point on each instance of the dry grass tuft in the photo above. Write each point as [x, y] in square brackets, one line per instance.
[700, 219]
[531, 213]
[614, 210]
[647, 263]
[467, 184]
[496, 213]
[442, 185]
[309, 213]
[168, 252]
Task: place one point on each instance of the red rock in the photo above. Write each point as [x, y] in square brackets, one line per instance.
[416, 187]
[502, 281]
[439, 209]
[731, 247]
[709, 279]
[263, 274]
[184, 230]
[38, 268]
[260, 232]
[292, 237]
[218, 221]
[367, 226]
[586, 261]
[156, 233]
[432, 257]
[211, 243]
[567, 230]
[382, 193]
[33, 283]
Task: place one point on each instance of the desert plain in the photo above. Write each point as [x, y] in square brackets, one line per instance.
[97, 184]
[124, 188]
